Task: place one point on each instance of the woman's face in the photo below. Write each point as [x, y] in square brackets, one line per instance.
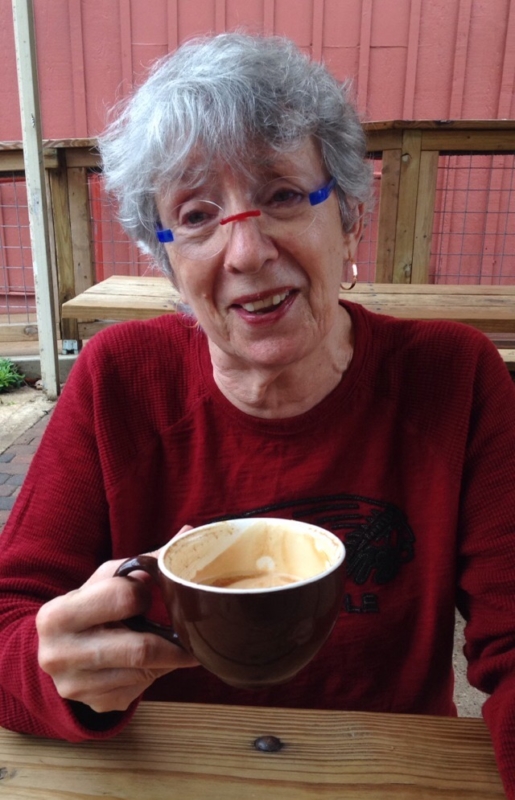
[265, 300]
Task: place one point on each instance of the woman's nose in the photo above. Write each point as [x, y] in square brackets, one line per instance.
[247, 247]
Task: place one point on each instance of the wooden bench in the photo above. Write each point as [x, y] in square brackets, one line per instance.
[489, 308]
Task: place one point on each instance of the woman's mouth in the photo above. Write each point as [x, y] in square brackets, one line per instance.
[267, 304]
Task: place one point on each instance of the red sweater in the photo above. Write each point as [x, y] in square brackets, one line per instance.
[411, 460]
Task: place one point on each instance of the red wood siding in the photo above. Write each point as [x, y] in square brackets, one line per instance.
[411, 59]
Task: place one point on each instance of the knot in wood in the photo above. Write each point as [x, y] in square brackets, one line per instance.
[268, 744]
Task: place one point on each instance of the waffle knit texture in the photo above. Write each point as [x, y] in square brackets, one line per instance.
[410, 460]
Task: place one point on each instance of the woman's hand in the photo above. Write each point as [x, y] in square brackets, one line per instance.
[88, 652]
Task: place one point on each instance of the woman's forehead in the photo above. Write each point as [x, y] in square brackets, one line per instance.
[303, 160]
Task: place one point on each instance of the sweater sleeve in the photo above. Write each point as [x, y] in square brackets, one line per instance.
[56, 536]
[486, 593]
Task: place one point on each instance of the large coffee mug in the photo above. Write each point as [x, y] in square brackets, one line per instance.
[252, 599]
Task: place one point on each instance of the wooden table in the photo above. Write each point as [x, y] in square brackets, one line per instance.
[194, 752]
[489, 308]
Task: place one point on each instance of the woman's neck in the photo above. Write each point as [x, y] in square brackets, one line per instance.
[286, 391]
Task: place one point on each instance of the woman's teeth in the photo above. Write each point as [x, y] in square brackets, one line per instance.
[259, 305]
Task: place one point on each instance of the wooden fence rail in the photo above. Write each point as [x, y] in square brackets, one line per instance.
[409, 151]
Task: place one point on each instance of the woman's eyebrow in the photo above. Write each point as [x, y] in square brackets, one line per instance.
[180, 191]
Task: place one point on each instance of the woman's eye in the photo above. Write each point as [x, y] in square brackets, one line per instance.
[194, 218]
[197, 216]
[284, 197]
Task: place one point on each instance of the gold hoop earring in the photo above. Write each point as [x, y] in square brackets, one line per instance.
[354, 269]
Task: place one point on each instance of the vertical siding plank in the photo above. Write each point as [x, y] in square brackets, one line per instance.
[173, 25]
[412, 58]
[220, 14]
[508, 68]
[406, 214]
[364, 55]
[126, 44]
[503, 112]
[387, 222]
[78, 80]
[268, 16]
[318, 29]
[426, 195]
[460, 58]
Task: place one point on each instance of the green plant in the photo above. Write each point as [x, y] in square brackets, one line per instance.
[10, 375]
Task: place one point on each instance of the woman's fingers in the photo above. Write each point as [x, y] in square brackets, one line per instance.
[113, 688]
[107, 600]
[114, 647]
[108, 668]
[91, 655]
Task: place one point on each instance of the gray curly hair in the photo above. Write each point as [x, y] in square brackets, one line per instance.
[234, 98]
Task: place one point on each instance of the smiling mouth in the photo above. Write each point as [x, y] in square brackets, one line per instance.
[266, 305]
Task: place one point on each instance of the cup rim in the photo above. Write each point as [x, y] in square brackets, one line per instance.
[265, 590]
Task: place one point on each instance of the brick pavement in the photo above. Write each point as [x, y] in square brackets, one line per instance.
[14, 463]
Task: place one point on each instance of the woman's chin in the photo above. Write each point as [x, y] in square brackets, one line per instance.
[280, 340]
[271, 353]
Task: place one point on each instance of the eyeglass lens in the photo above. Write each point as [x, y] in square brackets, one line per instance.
[283, 207]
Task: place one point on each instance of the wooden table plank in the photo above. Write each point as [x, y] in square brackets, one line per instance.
[124, 297]
[158, 284]
[187, 752]
[433, 289]
[489, 308]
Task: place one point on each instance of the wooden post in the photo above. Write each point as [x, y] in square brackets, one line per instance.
[78, 199]
[36, 192]
[63, 245]
[406, 215]
[53, 256]
[426, 193]
[387, 223]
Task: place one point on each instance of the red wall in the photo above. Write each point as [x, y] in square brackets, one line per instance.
[411, 59]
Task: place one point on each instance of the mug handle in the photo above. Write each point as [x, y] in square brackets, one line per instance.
[141, 624]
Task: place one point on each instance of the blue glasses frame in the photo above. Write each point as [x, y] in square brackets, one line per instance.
[165, 235]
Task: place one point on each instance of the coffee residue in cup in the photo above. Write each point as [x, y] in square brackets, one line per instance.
[253, 557]
[262, 580]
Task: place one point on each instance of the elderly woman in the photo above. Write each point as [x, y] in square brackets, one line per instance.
[240, 165]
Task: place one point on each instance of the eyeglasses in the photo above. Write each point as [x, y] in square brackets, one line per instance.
[199, 229]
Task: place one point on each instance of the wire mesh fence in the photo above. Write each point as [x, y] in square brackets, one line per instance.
[17, 299]
[473, 230]
[473, 239]
[114, 253]
[474, 220]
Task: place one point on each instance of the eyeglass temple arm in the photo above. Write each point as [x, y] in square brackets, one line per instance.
[321, 194]
[164, 235]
